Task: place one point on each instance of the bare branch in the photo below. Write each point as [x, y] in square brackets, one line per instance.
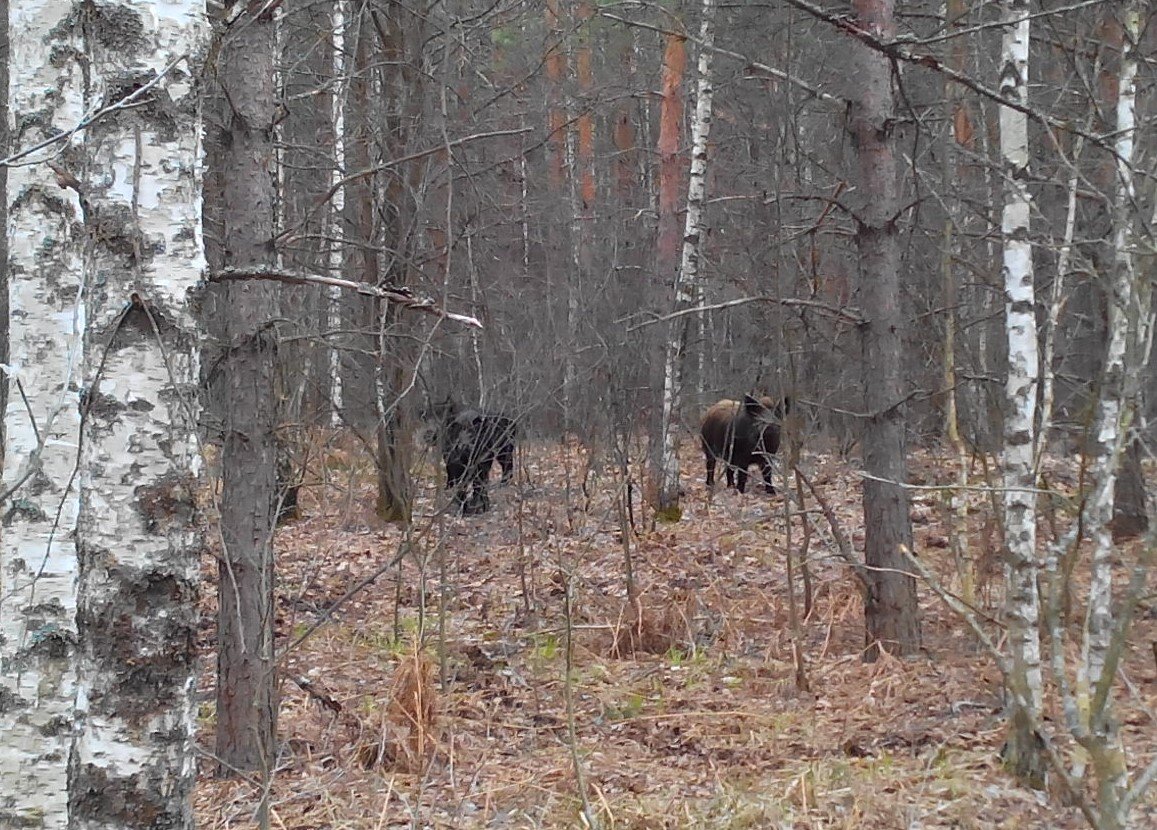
[386, 165]
[815, 92]
[402, 296]
[843, 544]
[848, 315]
[898, 50]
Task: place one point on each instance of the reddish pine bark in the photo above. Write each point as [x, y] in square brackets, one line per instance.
[670, 163]
[555, 73]
[586, 123]
[890, 611]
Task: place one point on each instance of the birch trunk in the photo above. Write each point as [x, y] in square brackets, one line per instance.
[137, 540]
[1112, 408]
[1023, 754]
[1129, 517]
[38, 568]
[246, 699]
[1119, 393]
[890, 611]
[336, 209]
[688, 276]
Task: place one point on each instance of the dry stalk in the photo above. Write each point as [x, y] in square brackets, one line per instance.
[843, 544]
[589, 815]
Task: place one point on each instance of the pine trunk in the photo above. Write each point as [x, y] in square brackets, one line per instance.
[307, 164]
[403, 86]
[357, 358]
[891, 612]
[246, 699]
[667, 202]
[583, 195]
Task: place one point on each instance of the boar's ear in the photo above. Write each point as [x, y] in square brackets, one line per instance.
[752, 406]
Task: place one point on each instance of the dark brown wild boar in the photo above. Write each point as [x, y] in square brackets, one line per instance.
[740, 433]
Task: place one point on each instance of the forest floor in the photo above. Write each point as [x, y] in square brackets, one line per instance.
[435, 696]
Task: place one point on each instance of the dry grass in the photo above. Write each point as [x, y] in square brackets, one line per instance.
[687, 710]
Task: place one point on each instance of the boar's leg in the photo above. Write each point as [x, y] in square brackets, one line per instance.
[730, 469]
[768, 472]
[740, 477]
[479, 498]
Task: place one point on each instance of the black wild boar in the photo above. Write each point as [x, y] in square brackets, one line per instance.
[471, 443]
[741, 433]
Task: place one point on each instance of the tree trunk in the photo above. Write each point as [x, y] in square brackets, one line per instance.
[560, 147]
[1129, 306]
[666, 262]
[891, 612]
[246, 699]
[687, 278]
[1130, 515]
[583, 195]
[42, 423]
[1023, 753]
[955, 241]
[1119, 395]
[307, 163]
[138, 541]
[5, 149]
[357, 358]
[403, 84]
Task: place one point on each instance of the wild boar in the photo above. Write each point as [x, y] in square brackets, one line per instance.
[740, 433]
[471, 443]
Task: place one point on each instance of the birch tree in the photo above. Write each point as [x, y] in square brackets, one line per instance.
[1114, 406]
[1129, 299]
[1090, 714]
[890, 611]
[97, 713]
[1022, 610]
[688, 276]
[138, 542]
[38, 567]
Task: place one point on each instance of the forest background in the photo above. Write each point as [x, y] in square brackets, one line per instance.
[266, 239]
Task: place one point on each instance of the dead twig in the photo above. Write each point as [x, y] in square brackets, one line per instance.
[400, 295]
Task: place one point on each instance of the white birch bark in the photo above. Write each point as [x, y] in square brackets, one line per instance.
[37, 553]
[337, 204]
[137, 542]
[1119, 392]
[1022, 605]
[687, 280]
[1112, 408]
